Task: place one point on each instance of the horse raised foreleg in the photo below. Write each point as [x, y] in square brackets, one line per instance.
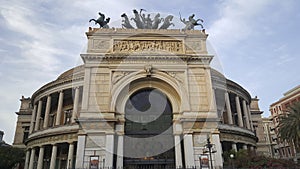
[93, 20]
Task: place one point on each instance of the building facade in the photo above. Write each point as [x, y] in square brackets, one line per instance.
[141, 98]
[267, 138]
[278, 109]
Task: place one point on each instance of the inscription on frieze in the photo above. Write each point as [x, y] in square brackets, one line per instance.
[125, 46]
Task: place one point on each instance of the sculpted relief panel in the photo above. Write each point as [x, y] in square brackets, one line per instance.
[125, 46]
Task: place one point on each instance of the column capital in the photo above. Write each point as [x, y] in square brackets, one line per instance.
[70, 142]
[120, 133]
[76, 87]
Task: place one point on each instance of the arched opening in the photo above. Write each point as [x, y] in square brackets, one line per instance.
[149, 140]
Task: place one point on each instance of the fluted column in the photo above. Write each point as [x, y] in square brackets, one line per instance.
[32, 122]
[234, 147]
[59, 108]
[188, 151]
[41, 157]
[245, 147]
[120, 151]
[109, 154]
[178, 155]
[75, 106]
[228, 108]
[31, 161]
[70, 156]
[245, 110]
[53, 157]
[38, 116]
[250, 117]
[27, 159]
[239, 111]
[48, 107]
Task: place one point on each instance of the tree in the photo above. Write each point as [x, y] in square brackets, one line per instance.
[10, 156]
[250, 160]
[289, 126]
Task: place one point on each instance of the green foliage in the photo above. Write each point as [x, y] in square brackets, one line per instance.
[289, 126]
[10, 156]
[249, 160]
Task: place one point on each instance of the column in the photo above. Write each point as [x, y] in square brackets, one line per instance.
[120, 151]
[38, 116]
[245, 110]
[86, 88]
[59, 108]
[188, 151]
[250, 117]
[32, 122]
[234, 147]
[228, 108]
[218, 160]
[48, 106]
[75, 106]
[80, 151]
[31, 158]
[109, 154]
[53, 157]
[27, 159]
[70, 156]
[239, 111]
[178, 155]
[245, 147]
[214, 105]
[41, 158]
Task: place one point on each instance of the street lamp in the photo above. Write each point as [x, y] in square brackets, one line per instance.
[232, 162]
[210, 148]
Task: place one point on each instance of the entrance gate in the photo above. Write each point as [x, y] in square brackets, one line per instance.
[148, 141]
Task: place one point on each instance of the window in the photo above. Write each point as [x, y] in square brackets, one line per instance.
[26, 133]
[68, 116]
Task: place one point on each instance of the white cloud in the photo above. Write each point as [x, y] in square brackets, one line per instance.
[236, 21]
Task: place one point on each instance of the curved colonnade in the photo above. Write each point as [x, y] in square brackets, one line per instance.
[53, 133]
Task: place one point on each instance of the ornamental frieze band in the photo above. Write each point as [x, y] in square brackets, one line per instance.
[173, 46]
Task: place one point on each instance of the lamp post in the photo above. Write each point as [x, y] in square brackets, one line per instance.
[232, 162]
[210, 146]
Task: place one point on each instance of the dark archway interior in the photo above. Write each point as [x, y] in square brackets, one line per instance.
[148, 128]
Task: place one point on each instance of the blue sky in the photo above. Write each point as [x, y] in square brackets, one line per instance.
[256, 43]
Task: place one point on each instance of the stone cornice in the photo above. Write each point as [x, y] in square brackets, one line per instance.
[237, 131]
[59, 130]
[56, 83]
[53, 139]
[237, 89]
[160, 32]
[221, 82]
[108, 58]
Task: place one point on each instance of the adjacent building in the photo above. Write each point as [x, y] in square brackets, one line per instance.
[267, 138]
[142, 98]
[277, 109]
